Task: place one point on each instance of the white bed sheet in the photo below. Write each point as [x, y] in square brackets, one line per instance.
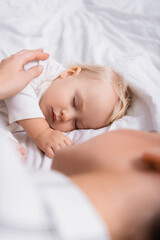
[123, 34]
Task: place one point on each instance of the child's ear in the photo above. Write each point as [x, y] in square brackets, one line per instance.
[73, 71]
[153, 160]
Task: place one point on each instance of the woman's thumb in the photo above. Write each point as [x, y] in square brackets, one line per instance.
[33, 72]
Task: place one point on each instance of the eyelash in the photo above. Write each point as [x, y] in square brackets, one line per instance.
[75, 124]
[74, 105]
[74, 102]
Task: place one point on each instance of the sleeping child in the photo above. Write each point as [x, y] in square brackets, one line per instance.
[61, 100]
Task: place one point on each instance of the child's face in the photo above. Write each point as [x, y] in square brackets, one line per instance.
[78, 102]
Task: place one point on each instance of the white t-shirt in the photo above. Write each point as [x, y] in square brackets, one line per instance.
[25, 104]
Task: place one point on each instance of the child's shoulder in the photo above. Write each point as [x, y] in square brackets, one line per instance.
[51, 70]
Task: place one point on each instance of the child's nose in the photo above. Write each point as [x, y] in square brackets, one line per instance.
[66, 115]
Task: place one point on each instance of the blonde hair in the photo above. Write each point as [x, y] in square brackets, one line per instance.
[125, 94]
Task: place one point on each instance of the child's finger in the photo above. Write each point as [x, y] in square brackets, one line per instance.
[56, 148]
[68, 142]
[49, 152]
[62, 144]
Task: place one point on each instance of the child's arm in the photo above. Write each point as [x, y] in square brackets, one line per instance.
[46, 138]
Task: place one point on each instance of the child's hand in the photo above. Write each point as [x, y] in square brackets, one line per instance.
[50, 141]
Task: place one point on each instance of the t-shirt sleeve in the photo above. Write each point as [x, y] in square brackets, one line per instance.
[24, 105]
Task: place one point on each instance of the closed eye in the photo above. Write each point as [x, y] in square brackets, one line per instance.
[75, 123]
[75, 106]
[74, 102]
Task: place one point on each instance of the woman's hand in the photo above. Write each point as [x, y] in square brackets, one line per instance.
[12, 76]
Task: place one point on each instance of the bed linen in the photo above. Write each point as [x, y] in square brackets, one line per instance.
[122, 34]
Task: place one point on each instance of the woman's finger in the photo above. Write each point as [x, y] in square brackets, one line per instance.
[30, 56]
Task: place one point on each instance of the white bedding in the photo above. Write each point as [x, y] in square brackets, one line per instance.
[122, 33]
